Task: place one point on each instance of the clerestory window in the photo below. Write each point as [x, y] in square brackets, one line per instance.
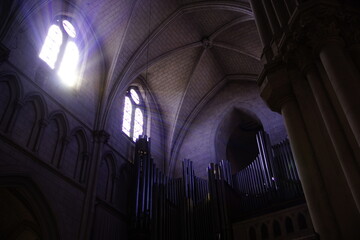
[60, 50]
[134, 114]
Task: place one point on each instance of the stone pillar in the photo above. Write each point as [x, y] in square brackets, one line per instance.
[264, 29]
[100, 139]
[341, 200]
[344, 151]
[276, 90]
[320, 105]
[344, 78]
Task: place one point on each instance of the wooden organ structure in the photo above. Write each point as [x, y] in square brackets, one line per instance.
[190, 207]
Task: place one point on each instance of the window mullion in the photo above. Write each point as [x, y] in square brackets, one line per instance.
[133, 108]
[62, 49]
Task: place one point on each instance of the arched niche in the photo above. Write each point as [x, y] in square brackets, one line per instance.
[106, 177]
[25, 211]
[29, 119]
[236, 138]
[74, 163]
[10, 93]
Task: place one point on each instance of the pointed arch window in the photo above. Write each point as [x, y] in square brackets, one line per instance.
[134, 114]
[60, 50]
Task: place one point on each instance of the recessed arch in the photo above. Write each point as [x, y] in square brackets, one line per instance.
[107, 174]
[29, 120]
[30, 205]
[11, 92]
[75, 160]
[235, 133]
[54, 137]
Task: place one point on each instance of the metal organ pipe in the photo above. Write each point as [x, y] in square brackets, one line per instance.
[204, 208]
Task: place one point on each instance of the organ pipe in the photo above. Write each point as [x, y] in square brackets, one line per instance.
[194, 208]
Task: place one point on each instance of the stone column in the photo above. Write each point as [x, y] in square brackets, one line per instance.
[276, 90]
[263, 28]
[344, 151]
[344, 78]
[100, 139]
[341, 196]
[261, 22]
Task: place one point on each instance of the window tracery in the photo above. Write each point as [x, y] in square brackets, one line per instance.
[133, 114]
[60, 50]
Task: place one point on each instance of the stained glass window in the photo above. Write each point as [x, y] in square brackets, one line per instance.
[133, 118]
[126, 127]
[61, 52]
[138, 124]
[51, 47]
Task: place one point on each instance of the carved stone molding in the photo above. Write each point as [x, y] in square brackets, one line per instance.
[275, 86]
[350, 27]
[322, 24]
[313, 29]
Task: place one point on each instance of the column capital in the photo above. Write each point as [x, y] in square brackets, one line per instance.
[350, 27]
[298, 54]
[101, 136]
[275, 87]
[324, 24]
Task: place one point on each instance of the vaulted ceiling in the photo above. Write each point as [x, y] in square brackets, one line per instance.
[185, 51]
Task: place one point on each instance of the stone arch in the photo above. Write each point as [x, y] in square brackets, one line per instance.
[106, 177]
[236, 123]
[20, 196]
[123, 181]
[75, 160]
[29, 121]
[53, 137]
[10, 93]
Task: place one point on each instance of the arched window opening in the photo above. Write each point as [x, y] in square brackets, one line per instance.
[134, 114]
[289, 225]
[60, 50]
[301, 221]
